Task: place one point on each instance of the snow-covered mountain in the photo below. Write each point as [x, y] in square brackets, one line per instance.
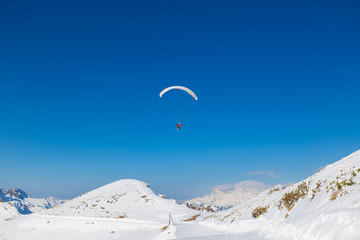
[24, 203]
[224, 196]
[126, 198]
[125, 209]
[323, 206]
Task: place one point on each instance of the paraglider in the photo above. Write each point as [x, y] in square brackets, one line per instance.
[178, 103]
[178, 126]
[180, 88]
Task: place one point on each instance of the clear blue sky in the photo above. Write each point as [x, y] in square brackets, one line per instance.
[278, 85]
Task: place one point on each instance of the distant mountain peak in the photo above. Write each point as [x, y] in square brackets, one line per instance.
[225, 196]
[247, 184]
[17, 192]
[24, 203]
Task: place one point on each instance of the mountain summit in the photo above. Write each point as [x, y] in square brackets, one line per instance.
[126, 198]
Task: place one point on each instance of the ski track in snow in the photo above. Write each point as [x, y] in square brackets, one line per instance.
[79, 228]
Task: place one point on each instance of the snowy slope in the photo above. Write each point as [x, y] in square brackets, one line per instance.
[323, 206]
[24, 203]
[127, 198]
[126, 209]
[7, 211]
[95, 215]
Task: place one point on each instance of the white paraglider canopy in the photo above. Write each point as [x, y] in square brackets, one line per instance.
[180, 88]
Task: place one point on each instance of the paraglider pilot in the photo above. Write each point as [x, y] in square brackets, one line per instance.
[178, 126]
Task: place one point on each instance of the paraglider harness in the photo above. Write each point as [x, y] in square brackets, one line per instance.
[179, 125]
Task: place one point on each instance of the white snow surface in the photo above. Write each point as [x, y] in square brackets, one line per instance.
[125, 209]
[329, 209]
[7, 211]
[326, 208]
[126, 198]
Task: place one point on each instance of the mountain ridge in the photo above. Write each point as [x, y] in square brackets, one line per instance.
[24, 203]
[126, 198]
[323, 206]
[227, 196]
